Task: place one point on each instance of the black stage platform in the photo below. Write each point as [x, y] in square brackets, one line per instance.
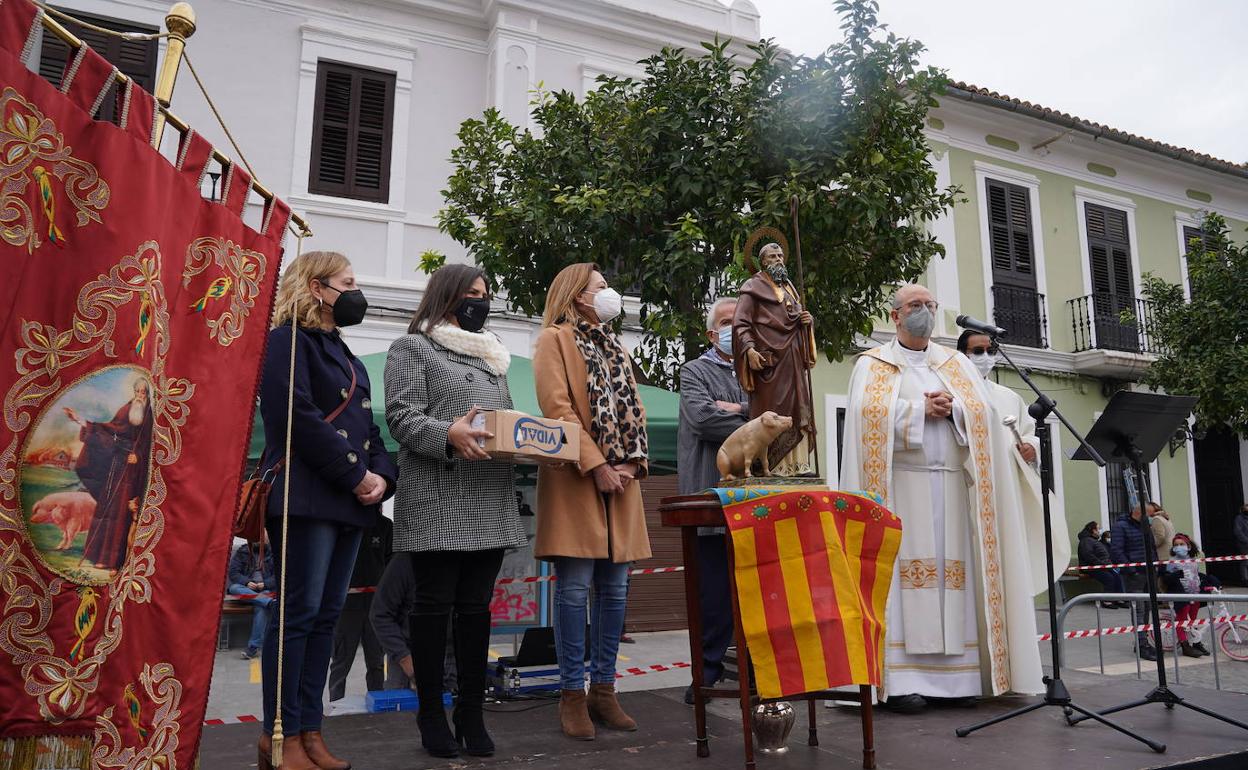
[1041, 741]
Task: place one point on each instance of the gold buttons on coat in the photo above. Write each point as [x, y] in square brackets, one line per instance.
[344, 393]
[367, 403]
[342, 433]
[353, 458]
[367, 444]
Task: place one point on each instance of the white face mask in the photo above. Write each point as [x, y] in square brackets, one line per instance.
[724, 341]
[607, 304]
[983, 362]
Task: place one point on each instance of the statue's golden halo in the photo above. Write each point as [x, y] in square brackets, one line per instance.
[766, 232]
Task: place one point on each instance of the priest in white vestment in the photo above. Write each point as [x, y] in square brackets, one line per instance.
[922, 432]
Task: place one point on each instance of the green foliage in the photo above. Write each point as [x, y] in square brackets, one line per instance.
[1206, 337]
[430, 261]
[661, 180]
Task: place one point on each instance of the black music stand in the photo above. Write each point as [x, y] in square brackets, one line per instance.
[1134, 428]
[1055, 692]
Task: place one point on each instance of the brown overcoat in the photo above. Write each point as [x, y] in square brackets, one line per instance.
[571, 517]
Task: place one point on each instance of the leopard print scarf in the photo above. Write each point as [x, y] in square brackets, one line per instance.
[616, 421]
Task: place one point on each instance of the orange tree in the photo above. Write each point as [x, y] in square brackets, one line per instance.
[1205, 337]
[661, 178]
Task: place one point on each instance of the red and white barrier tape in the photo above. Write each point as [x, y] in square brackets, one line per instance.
[1116, 630]
[499, 582]
[548, 578]
[631, 671]
[1196, 560]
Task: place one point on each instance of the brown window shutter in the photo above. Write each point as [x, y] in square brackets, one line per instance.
[352, 132]
[1009, 219]
[135, 58]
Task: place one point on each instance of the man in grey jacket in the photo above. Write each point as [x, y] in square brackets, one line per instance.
[391, 609]
[712, 406]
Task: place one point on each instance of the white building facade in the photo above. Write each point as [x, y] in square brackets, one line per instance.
[281, 72]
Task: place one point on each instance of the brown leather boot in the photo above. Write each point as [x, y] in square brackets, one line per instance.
[604, 708]
[293, 755]
[573, 716]
[318, 752]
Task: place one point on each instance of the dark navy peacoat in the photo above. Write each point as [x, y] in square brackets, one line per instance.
[327, 460]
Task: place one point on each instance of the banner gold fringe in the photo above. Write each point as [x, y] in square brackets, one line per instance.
[46, 752]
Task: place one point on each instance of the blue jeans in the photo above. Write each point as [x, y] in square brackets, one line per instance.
[259, 615]
[319, 558]
[573, 578]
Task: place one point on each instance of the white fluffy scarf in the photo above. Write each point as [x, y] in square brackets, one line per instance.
[482, 345]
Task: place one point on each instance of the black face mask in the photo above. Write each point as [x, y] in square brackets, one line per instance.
[350, 308]
[472, 312]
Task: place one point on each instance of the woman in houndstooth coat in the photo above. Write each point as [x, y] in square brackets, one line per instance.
[455, 511]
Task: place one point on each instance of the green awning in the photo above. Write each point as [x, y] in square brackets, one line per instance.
[662, 410]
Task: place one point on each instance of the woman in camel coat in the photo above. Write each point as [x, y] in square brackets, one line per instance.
[590, 520]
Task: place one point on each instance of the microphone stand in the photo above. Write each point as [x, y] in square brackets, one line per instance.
[1055, 693]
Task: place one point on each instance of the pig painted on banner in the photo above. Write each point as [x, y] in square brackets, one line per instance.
[70, 512]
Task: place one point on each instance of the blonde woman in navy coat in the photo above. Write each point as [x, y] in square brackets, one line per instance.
[339, 474]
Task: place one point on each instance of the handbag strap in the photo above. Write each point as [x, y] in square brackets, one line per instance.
[327, 418]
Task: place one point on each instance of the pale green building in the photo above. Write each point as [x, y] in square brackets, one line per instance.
[1062, 218]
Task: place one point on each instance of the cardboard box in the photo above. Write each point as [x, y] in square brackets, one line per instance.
[526, 438]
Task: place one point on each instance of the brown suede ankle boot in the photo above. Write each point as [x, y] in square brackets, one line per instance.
[293, 755]
[604, 708]
[314, 746]
[573, 715]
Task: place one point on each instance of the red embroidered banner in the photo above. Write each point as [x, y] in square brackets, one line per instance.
[134, 317]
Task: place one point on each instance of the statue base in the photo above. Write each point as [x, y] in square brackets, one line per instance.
[776, 481]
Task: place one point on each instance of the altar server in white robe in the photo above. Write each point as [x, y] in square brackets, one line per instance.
[982, 352]
[922, 432]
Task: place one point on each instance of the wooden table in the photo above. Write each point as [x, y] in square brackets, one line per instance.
[704, 510]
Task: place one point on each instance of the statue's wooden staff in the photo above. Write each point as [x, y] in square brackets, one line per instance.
[801, 292]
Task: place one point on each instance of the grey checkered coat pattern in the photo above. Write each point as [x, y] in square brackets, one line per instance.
[445, 503]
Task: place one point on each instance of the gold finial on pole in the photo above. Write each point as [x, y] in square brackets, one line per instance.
[180, 22]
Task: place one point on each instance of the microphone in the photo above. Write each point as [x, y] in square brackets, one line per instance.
[966, 322]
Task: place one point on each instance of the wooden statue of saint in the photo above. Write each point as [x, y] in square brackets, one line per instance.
[773, 342]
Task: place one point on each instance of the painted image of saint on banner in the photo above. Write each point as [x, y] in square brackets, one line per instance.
[85, 473]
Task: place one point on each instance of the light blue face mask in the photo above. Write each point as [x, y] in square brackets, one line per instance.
[1179, 551]
[724, 343]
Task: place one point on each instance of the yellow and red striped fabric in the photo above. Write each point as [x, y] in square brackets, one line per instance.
[813, 570]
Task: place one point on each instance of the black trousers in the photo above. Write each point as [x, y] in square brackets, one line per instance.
[353, 629]
[715, 595]
[452, 588]
[454, 581]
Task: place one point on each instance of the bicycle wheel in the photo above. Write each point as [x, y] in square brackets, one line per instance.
[1233, 639]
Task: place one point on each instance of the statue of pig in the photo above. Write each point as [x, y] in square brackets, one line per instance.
[749, 443]
[71, 512]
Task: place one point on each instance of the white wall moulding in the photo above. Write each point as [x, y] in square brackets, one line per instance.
[363, 48]
[1140, 172]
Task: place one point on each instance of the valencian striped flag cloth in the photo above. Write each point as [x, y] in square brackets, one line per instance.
[813, 569]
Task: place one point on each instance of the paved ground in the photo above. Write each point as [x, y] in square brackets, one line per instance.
[527, 734]
[236, 682]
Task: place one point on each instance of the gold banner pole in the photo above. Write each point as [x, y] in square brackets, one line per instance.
[181, 24]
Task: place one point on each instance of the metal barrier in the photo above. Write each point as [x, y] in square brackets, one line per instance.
[1206, 599]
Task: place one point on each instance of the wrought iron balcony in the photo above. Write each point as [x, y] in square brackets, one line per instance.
[1107, 321]
[1020, 312]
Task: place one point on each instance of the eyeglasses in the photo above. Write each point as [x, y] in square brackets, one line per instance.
[981, 349]
[918, 305]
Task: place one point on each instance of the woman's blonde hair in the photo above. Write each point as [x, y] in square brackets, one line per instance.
[318, 265]
[563, 291]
